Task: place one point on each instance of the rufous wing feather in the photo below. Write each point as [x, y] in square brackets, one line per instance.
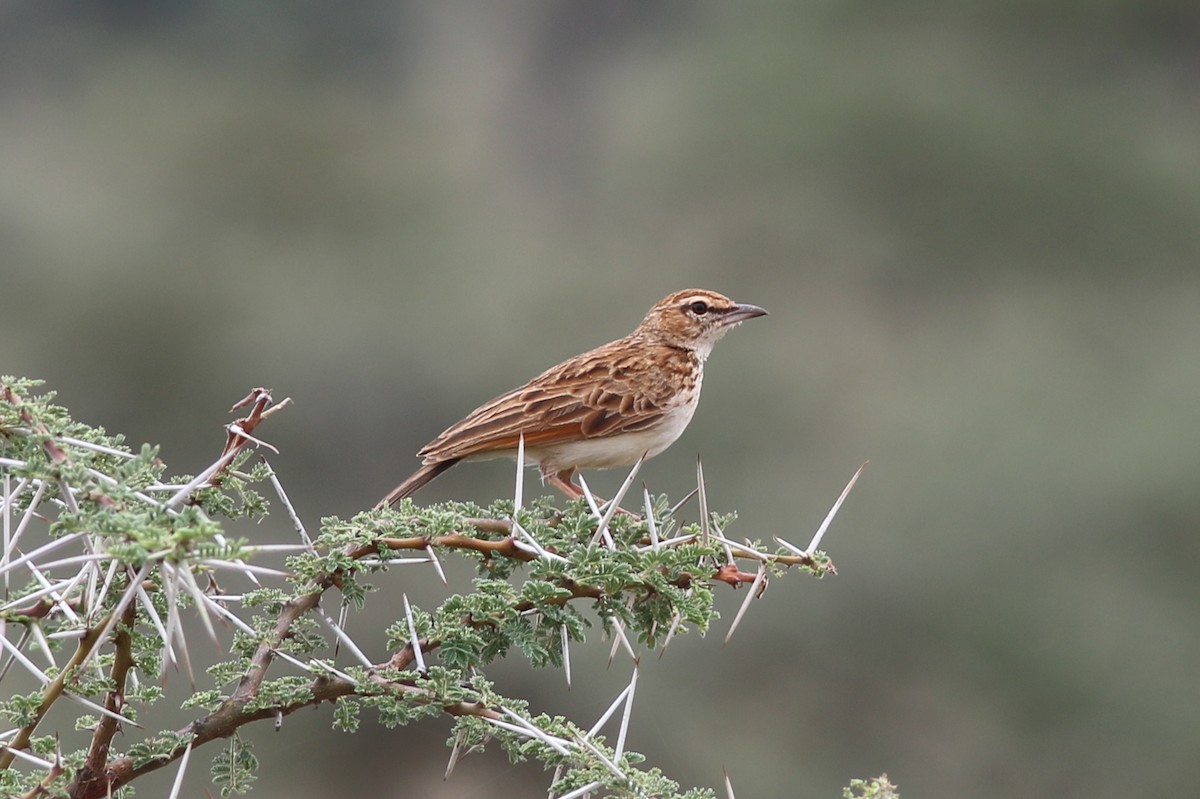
[567, 403]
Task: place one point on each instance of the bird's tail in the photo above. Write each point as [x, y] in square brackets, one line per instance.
[417, 479]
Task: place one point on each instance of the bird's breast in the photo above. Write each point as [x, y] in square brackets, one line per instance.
[622, 449]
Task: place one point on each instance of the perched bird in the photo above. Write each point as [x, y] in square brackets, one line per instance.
[604, 408]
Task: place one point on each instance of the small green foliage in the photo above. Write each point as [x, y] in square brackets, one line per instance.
[233, 497]
[234, 767]
[398, 710]
[205, 699]
[270, 600]
[13, 783]
[475, 733]
[282, 692]
[305, 637]
[44, 745]
[21, 709]
[92, 684]
[333, 553]
[160, 747]
[878, 788]
[145, 694]
[540, 592]
[227, 671]
[820, 566]
[346, 714]
[462, 647]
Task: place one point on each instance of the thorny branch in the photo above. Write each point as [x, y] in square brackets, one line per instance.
[51, 694]
[99, 778]
[93, 768]
[43, 788]
[239, 709]
[507, 547]
[238, 432]
[56, 453]
[94, 779]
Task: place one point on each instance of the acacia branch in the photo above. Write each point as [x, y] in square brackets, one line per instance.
[236, 712]
[507, 547]
[57, 454]
[93, 768]
[43, 788]
[240, 708]
[50, 694]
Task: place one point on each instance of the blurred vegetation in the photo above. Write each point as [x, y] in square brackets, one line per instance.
[975, 226]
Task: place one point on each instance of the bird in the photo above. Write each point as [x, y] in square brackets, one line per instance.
[609, 407]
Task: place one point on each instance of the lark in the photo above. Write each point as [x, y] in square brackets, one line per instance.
[602, 409]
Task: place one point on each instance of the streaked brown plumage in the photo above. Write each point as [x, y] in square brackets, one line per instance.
[601, 409]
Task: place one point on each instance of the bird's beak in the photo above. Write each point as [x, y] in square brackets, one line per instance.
[741, 312]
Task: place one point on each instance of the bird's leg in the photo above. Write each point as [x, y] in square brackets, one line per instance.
[562, 481]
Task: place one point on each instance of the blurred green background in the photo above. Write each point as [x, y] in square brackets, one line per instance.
[976, 227]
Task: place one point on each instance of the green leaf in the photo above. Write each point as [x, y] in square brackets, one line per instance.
[234, 767]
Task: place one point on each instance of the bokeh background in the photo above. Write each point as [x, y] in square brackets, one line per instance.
[977, 229]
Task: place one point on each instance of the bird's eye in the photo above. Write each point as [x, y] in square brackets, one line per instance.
[699, 307]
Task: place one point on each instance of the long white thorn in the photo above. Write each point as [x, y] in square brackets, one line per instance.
[527, 728]
[76, 442]
[816, 540]
[101, 710]
[46, 764]
[97, 601]
[240, 433]
[625, 715]
[166, 633]
[59, 599]
[437, 564]
[189, 581]
[287, 503]
[538, 548]
[650, 518]
[343, 637]
[182, 494]
[519, 489]
[566, 654]
[38, 594]
[172, 584]
[676, 620]
[11, 541]
[19, 656]
[604, 717]
[30, 556]
[412, 635]
[604, 759]
[750, 595]
[615, 503]
[183, 763]
[458, 739]
[43, 645]
[584, 791]
[675, 508]
[116, 613]
[601, 529]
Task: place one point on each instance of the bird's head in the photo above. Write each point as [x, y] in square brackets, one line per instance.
[695, 319]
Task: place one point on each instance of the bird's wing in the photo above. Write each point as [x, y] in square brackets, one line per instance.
[605, 392]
